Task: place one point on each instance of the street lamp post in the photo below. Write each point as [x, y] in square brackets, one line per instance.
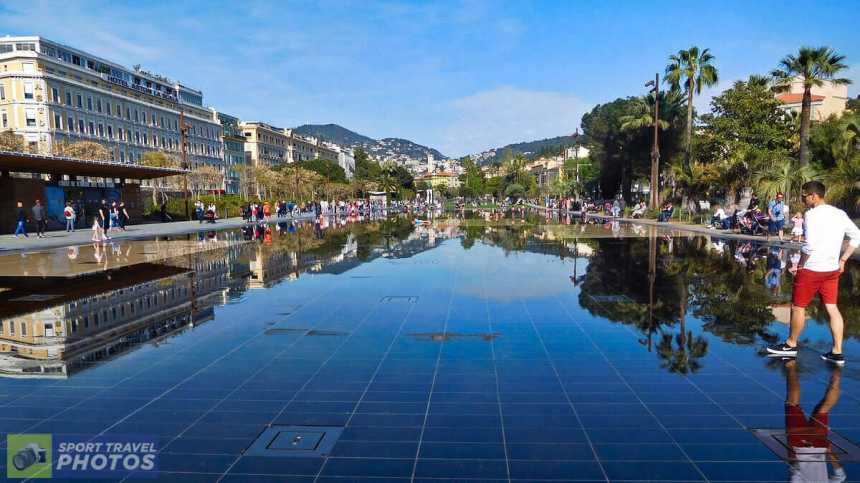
[183, 133]
[655, 147]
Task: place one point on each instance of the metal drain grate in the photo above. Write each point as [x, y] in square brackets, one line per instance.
[295, 441]
[317, 332]
[447, 336]
[409, 299]
[841, 449]
[277, 331]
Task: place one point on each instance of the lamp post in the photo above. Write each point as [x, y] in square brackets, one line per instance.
[655, 147]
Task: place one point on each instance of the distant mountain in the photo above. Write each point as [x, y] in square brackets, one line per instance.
[531, 149]
[334, 133]
[401, 151]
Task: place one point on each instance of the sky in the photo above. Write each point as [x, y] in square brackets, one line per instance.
[459, 76]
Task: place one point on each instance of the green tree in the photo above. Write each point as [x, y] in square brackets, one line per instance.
[330, 170]
[82, 150]
[365, 168]
[745, 131]
[472, 179]
[160, 159]
[9, 141]
[813, 66]
[692, 69]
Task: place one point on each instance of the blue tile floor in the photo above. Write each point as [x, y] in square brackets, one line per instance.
[501, 367]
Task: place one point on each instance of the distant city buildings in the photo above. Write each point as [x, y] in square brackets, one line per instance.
[52, 93]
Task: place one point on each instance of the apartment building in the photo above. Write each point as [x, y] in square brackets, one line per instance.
[828, 99]
[50, 92]
[233, 142]
[265, 144]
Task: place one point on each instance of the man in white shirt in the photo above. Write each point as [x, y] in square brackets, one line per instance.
[821, 262]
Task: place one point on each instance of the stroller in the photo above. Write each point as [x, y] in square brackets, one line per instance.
[752, 222]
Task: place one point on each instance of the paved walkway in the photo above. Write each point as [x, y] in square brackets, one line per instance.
[59, 239]
[704, 230]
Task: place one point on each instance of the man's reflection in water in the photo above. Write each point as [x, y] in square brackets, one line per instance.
[807, 437]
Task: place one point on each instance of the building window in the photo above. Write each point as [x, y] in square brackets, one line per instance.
[122, 160]
[137, 137]
[28, 89]
[101, 130]
[28, 67]
[89, 103]
[118, 110]
[80, 101]
[55, 95]
[11, 327]
[81, 126]
[69, 99]
[4, 119]
[70, 124]
[110, 132]
[98, 105]
[58, 121]
[107, 108]
[30, 114]
[92, 129]
[119, 134]
[23, 328]
[143, 114]
[2, 93]
[136, 118]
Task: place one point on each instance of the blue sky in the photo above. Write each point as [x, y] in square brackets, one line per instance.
[460, 76]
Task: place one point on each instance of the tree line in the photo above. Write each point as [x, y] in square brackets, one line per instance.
[746, 139]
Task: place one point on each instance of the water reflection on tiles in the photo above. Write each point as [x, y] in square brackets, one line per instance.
[527, 350]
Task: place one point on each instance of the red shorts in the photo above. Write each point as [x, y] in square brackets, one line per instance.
[808, 283]
[803, 432]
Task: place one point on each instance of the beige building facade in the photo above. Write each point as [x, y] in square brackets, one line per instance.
[50, 93]
[273, 146]
[827, 100]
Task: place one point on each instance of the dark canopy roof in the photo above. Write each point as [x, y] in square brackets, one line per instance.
[37, 163]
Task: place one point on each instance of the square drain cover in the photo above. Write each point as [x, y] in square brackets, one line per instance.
[410, 299]
[809, 447]
[295, 441]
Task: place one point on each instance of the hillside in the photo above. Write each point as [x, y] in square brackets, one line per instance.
[401, 151]
[334, 133]
[530, 149]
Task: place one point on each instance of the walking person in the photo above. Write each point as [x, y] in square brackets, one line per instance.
[69, 215]
[104, 219]
[124, 217]
[822, 261]
[98, 231]
[114, 216]
[776, 213]
[39, 217]
[21, 225]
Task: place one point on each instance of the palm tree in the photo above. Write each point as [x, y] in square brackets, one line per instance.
[692, 69]
[781, 176]
[671, 104]
[813, 66]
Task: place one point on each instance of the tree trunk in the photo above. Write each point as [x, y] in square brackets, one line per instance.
[805, 117]
[688, 143]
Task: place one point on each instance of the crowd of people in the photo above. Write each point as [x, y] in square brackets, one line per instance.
[108, 218]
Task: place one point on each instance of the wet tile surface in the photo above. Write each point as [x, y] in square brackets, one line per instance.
[498, 368]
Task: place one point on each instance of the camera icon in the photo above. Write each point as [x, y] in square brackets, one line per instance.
[28, 456]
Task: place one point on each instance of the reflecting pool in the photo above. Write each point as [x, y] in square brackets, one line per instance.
[498, 347]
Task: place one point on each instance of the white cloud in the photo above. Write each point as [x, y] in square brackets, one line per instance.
[507, 115]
